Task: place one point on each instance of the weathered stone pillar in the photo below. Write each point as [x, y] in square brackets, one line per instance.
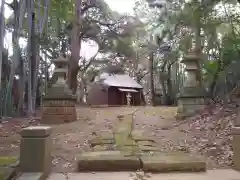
[191, 96]
[236, 147]
[59, 102]
[35, 149]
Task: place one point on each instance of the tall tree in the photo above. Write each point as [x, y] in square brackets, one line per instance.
[2, 29]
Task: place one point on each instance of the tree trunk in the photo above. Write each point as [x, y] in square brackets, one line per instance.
[37, 30]
[75, 49]
[30, 54]
[198, 44]
[151, 57]
[169, 87]
[164, 89]
[46, 74]
[19, 15]
[34, 63]
[2, 28]
[21, 87]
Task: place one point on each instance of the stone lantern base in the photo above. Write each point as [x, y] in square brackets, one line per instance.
[58, 106]
[190, 100]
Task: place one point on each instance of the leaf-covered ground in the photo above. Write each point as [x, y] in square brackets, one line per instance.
[207, 133]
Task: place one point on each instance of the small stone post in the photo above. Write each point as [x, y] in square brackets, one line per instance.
[35, 149]
[191, 96]
[236, 147]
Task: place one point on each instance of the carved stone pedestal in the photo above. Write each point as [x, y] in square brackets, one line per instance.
[190, 103]
[56, 111]
[59, 103]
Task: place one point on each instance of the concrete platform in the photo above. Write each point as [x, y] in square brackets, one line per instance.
[226, 174]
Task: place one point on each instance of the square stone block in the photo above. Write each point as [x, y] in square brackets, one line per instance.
[58, 111]
[108, 161]
[35, 154]
[161, 162]
[236, 147]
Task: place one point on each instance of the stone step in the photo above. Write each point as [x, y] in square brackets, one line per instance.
[107, 161]
[152, 162]
[222, 174]
[32, 176]
[168, 162]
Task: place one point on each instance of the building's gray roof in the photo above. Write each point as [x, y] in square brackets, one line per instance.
[119, 80]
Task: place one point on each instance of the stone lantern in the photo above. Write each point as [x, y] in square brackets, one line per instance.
[129, 97]
[59, 102]
[191, 96]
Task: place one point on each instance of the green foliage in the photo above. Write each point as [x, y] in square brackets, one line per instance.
[62, 10]
[124, 47]
[185, 43]
[231, 49]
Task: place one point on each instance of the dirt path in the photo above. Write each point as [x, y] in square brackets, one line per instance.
[71, 139]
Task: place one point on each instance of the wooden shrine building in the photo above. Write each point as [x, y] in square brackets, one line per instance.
[113, 89]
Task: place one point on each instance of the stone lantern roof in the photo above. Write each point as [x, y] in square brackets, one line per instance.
[191, 61]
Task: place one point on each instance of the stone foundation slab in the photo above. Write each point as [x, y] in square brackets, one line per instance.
[161, 162]
[108, 161]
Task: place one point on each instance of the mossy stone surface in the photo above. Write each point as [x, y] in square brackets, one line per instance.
[6, 172]
[122, 140]
[8, 160]
[7, 168]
